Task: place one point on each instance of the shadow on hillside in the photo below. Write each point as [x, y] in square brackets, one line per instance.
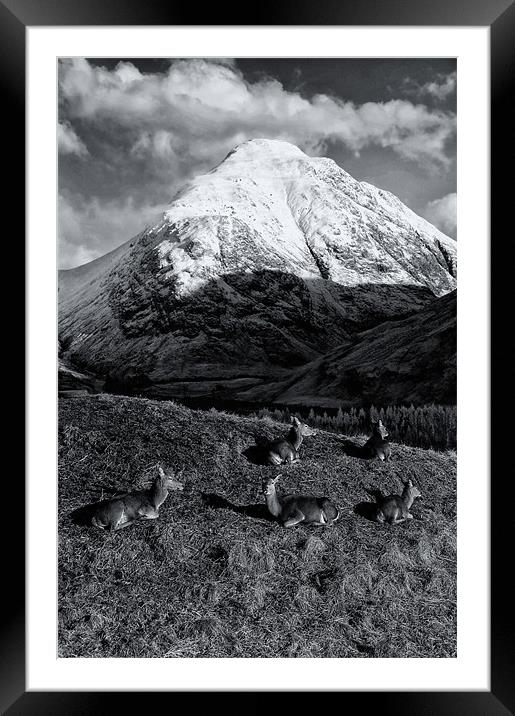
[277, 321]
[368, 510]
[257, 511]
[261, 294]
[353, 449]
[256, 454]
[82, 515]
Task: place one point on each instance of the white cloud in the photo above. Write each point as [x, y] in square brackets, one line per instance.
[199, 108]
[149, 133]
[442, 213]
[68, 142]
[442, 87]
[439, 89]
[90, 229]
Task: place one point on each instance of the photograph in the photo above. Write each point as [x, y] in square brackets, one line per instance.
[257, 362]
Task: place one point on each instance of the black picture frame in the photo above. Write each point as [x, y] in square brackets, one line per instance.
[499, 15]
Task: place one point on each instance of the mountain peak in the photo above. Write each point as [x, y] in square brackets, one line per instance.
[261, 152]
[278, 147]
[270, 206]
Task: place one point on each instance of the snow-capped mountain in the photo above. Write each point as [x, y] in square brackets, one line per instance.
[263, 264]
[268, 205]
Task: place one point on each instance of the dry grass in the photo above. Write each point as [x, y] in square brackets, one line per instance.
[210, 580]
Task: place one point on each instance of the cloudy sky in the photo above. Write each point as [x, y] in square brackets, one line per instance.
[132, 131]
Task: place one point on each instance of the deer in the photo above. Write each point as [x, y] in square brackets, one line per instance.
[377, 445]
[395, 508]
[292, 510]
[286, 450]
[120, 512]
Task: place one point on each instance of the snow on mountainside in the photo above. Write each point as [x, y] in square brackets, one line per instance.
[265, 263]
[304, 212]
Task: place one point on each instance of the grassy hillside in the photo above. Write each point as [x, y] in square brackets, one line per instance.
[213, 578]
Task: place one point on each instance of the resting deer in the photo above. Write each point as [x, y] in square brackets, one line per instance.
[120, 512]
[294, 509]
[377, 445]
[395, 508]
[286, 450]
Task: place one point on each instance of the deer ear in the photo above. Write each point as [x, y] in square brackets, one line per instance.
[295, 420]
[161, 471]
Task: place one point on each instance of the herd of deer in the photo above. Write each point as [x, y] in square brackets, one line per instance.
[289, 510]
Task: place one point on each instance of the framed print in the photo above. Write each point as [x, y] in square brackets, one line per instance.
[272, 356]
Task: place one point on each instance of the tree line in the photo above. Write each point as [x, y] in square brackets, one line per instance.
[426, 426]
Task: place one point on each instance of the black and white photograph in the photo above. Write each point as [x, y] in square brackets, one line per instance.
[257, 375]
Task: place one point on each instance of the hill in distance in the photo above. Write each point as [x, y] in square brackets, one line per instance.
[411, 360]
